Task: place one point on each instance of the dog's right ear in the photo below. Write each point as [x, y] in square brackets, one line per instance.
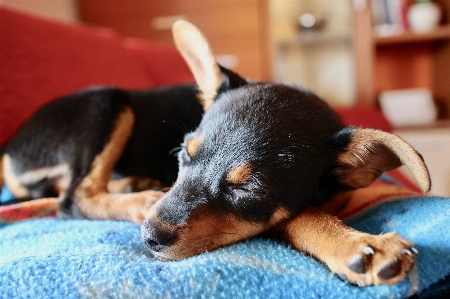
[367, 153]
[210, 77]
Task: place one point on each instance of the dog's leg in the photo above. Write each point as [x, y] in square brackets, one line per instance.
[11, 180]
[91, 195]
[355, 256]
[134, 184]
[127, 207]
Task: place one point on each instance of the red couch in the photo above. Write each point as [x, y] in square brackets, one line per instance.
[41, 60]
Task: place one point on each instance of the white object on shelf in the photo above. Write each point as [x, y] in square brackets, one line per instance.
[406, 107]
[424, 16]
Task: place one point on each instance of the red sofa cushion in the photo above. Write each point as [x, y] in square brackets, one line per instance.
[364, 116]
[41, 60]
[163, 64]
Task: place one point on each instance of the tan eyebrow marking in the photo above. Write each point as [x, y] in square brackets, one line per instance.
[240, 174]
[193, 145]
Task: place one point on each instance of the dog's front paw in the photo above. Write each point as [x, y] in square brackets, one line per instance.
[138, 204]
[375, 260]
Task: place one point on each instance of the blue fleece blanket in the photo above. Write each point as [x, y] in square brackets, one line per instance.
[51, 258]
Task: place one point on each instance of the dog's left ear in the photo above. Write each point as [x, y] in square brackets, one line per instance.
[210, 77]
[367, 153]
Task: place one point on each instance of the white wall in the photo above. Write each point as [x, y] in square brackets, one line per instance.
[434, 146]
[324, 65]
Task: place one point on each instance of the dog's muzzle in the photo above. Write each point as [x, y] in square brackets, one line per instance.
[156, 240]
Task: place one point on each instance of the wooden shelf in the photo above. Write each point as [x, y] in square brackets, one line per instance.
[314, 39]
[401, 61]
[441, 33]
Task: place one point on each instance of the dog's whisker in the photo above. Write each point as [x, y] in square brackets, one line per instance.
[181, 126]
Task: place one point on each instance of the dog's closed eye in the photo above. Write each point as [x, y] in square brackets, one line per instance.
[247, 189]
[239, 190]
[240, 182]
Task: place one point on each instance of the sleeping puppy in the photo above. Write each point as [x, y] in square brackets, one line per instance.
[263, 157]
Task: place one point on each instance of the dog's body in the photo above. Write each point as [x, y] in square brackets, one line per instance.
[54, 151]
[263, 156]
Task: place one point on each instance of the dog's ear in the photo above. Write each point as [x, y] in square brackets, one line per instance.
[367, 153]
[210, 77]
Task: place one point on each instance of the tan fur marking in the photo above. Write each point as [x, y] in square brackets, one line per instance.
[329, 240]
[92, 195]
[17, 182]
[372, 152]
[97, 180]
[35, 175]
[193, 145]
[209, 231]
[240, 174]
[11, 180]
[194, 48]
[134, 184]
[279, 215]
[128, 207]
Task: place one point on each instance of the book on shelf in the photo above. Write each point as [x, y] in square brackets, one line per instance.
[389, 17]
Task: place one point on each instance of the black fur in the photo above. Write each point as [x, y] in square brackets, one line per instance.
[74, 130]
[277, 142]
[59, 132]
[163, 117]
[289, 137]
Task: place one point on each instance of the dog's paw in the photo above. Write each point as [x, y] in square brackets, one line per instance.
[375, 260]
[138, 204]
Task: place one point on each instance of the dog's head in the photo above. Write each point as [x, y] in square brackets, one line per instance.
[262, 153]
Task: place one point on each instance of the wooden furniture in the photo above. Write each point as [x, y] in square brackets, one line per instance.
[406, 60]
[237, 30]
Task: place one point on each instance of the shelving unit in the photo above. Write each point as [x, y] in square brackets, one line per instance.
[314, 39]
[406, 60]
[439, 34]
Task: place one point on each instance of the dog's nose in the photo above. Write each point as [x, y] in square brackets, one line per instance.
[156, 239]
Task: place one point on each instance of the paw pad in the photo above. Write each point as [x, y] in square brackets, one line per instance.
[360, 263]
[391, 270]
[372, 266]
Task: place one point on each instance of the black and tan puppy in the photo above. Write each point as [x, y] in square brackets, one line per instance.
[263, 156]
[72, 145]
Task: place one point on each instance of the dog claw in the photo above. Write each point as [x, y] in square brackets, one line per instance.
[368, 250]
[407, 251]
[375, 260]
[390, 270]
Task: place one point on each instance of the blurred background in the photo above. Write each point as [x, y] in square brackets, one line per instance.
[391, 55]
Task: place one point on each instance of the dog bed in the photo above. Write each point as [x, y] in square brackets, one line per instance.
[52, 258]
